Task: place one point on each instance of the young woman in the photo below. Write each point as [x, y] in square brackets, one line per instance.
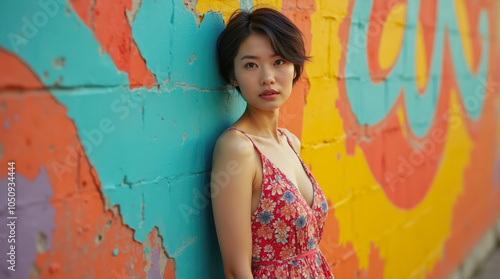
[269, 210]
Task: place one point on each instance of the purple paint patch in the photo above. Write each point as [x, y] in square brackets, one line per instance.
[35, 215]
[154, 271]
[16, 117]
[338, 156]
[6, 124]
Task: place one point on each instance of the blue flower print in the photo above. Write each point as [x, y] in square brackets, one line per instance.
[324, 206]
[294, 262]
[310, 243]
[318, 262]
[300, 222]
[281, 237]
[288, 196]
[265, 217]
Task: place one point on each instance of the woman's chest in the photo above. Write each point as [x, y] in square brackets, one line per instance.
[272, 184]
[287, 164]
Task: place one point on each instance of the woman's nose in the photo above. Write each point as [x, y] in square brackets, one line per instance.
[267, 77]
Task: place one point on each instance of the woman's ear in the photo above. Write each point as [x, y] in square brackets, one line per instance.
[234, 82]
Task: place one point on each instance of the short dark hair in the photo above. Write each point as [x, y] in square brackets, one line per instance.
[286, 39]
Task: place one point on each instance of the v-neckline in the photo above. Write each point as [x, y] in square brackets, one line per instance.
[290, 182]
[306, 170]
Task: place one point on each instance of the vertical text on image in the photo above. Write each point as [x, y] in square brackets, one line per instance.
[11, 215]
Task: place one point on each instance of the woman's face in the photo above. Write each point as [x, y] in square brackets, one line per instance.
[265, 79]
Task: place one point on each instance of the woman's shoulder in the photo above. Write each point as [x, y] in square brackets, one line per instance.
[233, 143]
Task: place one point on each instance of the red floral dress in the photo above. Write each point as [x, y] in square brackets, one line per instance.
[285, 229]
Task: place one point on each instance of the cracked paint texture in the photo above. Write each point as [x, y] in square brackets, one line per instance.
[111, 110]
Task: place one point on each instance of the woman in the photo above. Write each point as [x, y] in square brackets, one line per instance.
[269, 211]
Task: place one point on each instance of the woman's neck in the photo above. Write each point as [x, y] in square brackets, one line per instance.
[262, 123]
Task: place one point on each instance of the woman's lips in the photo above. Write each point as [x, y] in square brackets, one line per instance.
[269, 91]
[269, 94]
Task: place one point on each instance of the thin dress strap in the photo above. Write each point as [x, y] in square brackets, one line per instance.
[289, 142]
[287, 139]
[254, 145]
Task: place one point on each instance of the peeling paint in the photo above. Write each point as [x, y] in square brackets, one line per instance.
[184, 137]
[34, 271]
[191, 6]
[58, 63]
[80, 217]
[192, 59]
[41, 242]
[34, 223]
[136, 5]
[159, 264]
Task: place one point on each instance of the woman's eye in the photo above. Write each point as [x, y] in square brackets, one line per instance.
[250, 65]
[279, 62]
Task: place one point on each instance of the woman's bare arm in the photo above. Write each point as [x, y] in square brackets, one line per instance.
[233, 171]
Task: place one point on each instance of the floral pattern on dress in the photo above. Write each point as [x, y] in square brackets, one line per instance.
[285, 229]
